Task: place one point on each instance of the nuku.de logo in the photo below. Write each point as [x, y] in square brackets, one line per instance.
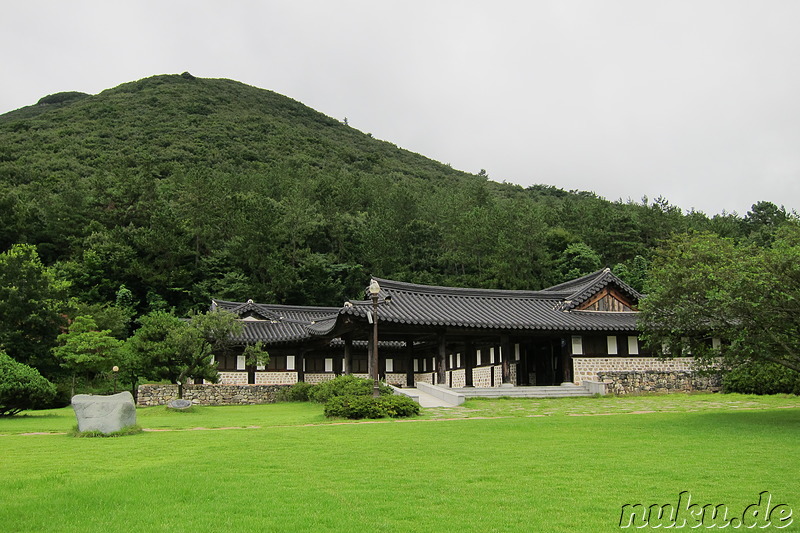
[686, 514]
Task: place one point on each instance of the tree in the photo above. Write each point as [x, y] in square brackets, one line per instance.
[702, 286]
[166, 347]
[86, 350]
[577, 260]
[22, 387]
[32, 306]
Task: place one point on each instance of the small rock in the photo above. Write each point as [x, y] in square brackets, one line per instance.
[179, 404]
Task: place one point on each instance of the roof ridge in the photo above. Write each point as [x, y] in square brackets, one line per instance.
[461, 291]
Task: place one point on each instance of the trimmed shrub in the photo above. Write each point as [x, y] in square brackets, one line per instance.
[399, 406]
[757, 377]
[299, 392]
[344, 386]
[22, 387]
[358, 407]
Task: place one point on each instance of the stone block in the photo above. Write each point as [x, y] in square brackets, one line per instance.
[105, 414]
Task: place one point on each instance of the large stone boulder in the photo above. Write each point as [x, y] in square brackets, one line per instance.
[106, 414]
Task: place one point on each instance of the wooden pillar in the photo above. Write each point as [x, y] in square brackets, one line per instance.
[566, 360]
[299, 365]
[508, 357]
[348, 355]
[441, 362]
[469, 362]
[410, 363]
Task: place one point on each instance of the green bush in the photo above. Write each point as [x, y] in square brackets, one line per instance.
[299, 392]
[344, 386]
[757, 377]
[22, 387]
[399, 406]
[358, 407]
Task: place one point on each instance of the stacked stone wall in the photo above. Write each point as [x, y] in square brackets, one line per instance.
[397, 379]
[498, 375]
[589, 368]
[424, 377]
[317, 377]
[482, 377]
[634, 382]
[233, 378]
[276, 378]
[150, 395]
[458, 378]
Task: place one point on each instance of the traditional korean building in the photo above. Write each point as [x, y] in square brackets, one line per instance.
[571, 332]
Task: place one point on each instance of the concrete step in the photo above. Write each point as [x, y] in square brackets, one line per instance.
[422, 398]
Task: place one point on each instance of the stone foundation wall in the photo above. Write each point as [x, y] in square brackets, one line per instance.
[397, 379]
[317, 378]
[589, 368]
[458, 378]
[208, 394]
[424, 377]
[233, 378]
[634, 382]
[276, 378]
[482, 377]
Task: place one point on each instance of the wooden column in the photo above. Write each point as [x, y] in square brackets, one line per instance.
[410, 363]
[566, 375]
[299, 366]
[469, 362]
[348, 355]
[508, 356]
[441, 362]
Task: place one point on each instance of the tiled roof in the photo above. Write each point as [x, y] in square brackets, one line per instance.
[548, 309]
[551, 309]
[280, 323]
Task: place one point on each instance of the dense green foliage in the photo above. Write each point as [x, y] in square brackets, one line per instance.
[761, 377]
[703, 286]
[168, 348]
[297, 392]
[180, 189]
[358, 407]
[32, 303]
[345, 385]
[22, 387]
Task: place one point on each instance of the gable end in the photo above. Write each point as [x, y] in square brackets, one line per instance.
[609, 299]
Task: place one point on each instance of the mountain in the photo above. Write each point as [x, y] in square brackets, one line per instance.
[181, 188]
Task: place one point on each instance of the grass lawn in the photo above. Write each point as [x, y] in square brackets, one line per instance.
[501, 465]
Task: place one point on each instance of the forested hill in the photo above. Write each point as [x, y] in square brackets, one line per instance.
[182, 188]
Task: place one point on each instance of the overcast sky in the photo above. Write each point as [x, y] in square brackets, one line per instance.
[695, 100]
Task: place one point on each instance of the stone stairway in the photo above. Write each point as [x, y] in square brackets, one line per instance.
[555, 391]
[436, 396]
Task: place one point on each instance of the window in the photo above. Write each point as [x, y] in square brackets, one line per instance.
[315, 364]
[611, 342]
[633, 345]
[277, 362]
[358, 366]
[577, 345]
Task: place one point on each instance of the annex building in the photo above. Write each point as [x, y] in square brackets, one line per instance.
[580, 331]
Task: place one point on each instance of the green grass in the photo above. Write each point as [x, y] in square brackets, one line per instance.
[299, 472]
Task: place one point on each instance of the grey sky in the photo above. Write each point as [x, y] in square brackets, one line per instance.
[698, 101]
